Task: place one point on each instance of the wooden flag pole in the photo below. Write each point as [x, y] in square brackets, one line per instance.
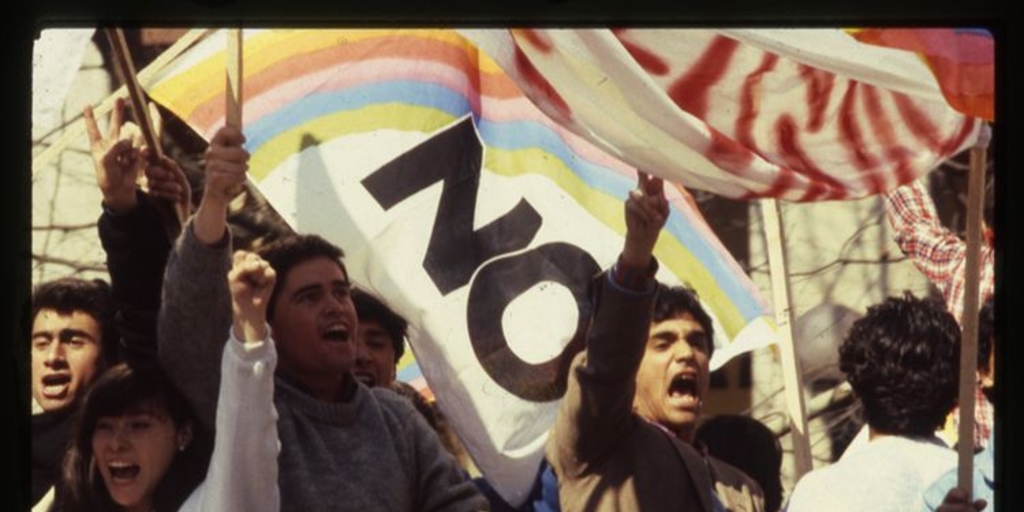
[233, 89]
[122, 58]
[233, 112]
[969, 318]
[792, 378]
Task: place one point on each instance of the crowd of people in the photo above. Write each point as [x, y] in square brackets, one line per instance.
[205, 378]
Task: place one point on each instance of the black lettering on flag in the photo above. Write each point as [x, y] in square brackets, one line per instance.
[455, 250]
[497, 284]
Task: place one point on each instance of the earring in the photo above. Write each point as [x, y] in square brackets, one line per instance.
[181, 447]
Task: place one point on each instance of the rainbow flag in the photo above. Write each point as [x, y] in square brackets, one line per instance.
[470, 211]
[962, 59]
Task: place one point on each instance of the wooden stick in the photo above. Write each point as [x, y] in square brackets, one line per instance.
[792, 378]
[233, 89]
[122, 57]
[123, 60]
[969, 318]
[233, 111]
[76, 128]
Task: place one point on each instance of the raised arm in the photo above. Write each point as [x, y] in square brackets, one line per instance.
[243, 469]
[596, 411]
[195, 313]
[131, 230]
[917, 230]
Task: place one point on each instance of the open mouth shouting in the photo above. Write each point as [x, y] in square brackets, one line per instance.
[683, 391]
[122, 472]
[56, 385]
[336, 333]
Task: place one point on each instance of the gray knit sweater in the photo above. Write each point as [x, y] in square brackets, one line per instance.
[372, 453]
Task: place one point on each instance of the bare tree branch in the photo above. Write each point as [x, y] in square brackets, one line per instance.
[65, 227]
[78, 266]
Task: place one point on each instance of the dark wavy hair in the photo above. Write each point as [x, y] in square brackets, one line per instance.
[90, 296]
[673, 301]
[901, 359]
[121, 389]
[287, 252]
[372, 309]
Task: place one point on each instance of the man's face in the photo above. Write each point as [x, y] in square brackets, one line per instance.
[315, 324]
[673, 377]
[375, 355]
[65, 353]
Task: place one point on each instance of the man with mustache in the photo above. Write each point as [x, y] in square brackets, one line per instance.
[623, 438]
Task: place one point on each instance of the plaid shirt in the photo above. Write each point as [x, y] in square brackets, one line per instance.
[941, 256]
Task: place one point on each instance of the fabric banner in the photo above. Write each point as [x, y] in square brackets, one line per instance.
[465, 207]
[962, 60]
[794, 114]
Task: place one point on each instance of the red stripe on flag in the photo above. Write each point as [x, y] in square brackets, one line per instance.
[538, 40]
[749, 99]
[919, 124]
[783, 182]
[879, 124]
[956, 140]
[822, 185]
[690, 92]
[727, 154]
[882, 129]
[647, 59]
[540, 84]
[926, 131]
[819, 89]
[817, 191]
[850, 133]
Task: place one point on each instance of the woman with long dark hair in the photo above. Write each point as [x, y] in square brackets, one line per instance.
[136, 445]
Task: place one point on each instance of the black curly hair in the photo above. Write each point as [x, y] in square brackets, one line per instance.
[673, 301]
[902, 359]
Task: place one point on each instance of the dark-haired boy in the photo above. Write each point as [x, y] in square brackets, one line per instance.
[73, 339]
[623, 437]
[380, 340]
[343, 446]
[901, 361]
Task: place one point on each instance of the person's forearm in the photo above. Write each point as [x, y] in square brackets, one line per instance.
[243, 472]
[137, 250]
[636, 254]
[211, 221]
[195, 316]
